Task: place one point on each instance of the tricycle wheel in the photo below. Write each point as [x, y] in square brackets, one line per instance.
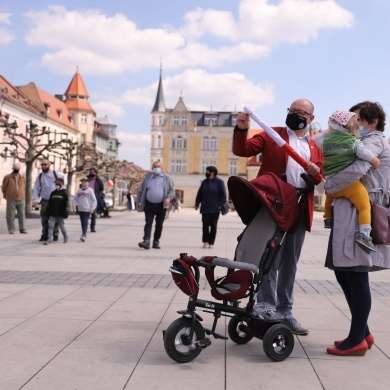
[177, 342]
[238, 330]
[278, 342]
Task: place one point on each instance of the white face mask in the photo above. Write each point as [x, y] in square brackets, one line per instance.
[157, 171]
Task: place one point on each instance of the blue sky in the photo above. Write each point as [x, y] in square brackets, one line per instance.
[222, 54]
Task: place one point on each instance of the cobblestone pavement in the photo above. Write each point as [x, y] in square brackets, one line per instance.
[159, 281]
[91, 315]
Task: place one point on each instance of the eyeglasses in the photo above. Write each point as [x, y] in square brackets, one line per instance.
[298, 112]
[44, 165]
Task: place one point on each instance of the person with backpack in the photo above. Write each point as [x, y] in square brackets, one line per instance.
[43, 187]
[58, 210]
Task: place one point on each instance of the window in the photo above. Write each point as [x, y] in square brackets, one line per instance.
[178, 166]
[179, 143]
[160, 120]
[213, 143]
[234, 120]
[175, 120]
[184, 120]
[210, 120]
[205, 143]
[159, 141]
[233, 167]
[207, 163]
[84, 118]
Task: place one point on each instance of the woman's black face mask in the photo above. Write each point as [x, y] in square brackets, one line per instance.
[295, 122]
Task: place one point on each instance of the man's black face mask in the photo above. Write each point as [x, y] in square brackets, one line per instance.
[295, 122]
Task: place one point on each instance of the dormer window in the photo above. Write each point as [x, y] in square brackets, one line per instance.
[47, 107]
[210, 120]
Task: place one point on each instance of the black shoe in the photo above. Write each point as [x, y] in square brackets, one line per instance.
[55, 238]
[295, 327]
[93, 230]
[156, 245]
[144, 245]
[43, 238]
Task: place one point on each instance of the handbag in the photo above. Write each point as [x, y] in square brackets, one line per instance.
[380, 224]
[225, 208]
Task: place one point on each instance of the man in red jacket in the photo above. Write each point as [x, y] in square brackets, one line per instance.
[277, 287]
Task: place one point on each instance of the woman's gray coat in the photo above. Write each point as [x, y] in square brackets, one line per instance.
[346, 253]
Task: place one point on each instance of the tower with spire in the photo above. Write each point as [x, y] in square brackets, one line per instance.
[158, 123]
[83, 116]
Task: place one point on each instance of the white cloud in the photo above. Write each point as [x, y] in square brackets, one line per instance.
[112, 44]
[6, 36]
[269, 24]
[109, 108]
[290, 20]
[135, 148]
[221, 91]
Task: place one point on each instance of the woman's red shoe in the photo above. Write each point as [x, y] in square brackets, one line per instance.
[369, 340]
[358, 350]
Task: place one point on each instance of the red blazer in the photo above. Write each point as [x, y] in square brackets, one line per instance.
[275, 159]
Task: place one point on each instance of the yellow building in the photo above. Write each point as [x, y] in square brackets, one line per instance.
[186, 142]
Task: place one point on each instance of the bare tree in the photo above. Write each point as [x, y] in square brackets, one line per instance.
[78, 158]
[27, 148]
[122, 170]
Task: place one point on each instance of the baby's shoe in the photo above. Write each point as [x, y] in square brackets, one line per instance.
[365, 242]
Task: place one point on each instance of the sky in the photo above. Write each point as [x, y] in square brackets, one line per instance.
[217, 54]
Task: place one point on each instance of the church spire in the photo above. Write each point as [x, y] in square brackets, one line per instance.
[159, 105]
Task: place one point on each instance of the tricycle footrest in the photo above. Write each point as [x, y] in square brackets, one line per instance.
[215, 334]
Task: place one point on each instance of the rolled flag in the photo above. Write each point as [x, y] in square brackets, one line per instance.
[280, 141]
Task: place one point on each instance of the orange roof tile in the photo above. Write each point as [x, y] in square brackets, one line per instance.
[77, 87]
[54, 108]
[15, 95]
[78, 104]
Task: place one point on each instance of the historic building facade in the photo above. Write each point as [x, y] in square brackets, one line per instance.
[68, 116]
[188, 141]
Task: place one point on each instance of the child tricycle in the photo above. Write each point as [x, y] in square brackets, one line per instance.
[269, 208]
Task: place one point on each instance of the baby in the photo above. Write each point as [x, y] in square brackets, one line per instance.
[341, 146]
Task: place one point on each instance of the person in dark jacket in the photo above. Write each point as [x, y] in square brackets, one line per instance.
[97, 185]
[211, 196]
[58, 210]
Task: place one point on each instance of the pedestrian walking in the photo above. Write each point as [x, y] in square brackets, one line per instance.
[44, 185]
[14, 191]
[211, 196]
[58, 210]
[85, 205]
[98, 187]
[153, 198]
